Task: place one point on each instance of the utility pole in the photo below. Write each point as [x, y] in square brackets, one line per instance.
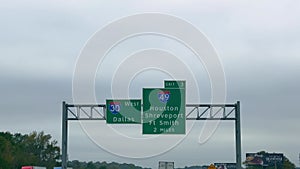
[64, 158]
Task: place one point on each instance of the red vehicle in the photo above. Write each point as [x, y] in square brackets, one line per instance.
[33, 167]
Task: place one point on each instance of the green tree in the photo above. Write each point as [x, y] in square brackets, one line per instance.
[44, 151]
[91, 165]
[33, 149]
[287, 164]
[6, 154]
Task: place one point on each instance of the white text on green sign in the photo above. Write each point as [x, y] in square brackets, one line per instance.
[123, 111]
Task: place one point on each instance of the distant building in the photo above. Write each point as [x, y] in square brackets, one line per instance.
[165, 165]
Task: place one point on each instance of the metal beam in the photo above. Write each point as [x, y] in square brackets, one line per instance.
[190, 118]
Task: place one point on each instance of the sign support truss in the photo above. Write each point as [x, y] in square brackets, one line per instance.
[195, 112]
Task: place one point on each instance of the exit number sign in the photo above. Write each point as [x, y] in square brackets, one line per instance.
[180, 84]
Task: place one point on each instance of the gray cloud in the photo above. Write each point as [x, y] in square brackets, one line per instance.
[258, 44]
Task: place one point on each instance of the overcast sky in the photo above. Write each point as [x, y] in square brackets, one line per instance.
[257, 43]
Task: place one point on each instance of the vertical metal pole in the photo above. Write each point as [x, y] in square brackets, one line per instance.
[238, 136]
[64, 136]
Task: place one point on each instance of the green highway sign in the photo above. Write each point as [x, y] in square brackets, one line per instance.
[174, 84]
[123, 111]
[163, 111]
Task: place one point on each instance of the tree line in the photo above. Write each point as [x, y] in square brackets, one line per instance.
[75, 164]
[34, 149]
[38, 149]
